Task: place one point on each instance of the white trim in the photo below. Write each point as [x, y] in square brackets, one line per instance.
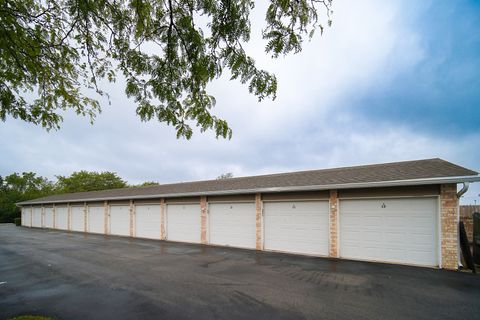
[235, 201]
[310, 255]
[338, 227]
[148, 204]
[297, 200]
[438, 237]
[262, 221]
[389, 197]
[393, 263]
[329, 242]
[179, 202]
[292, 252]
[439, 231]
[392, 183]
[207, 222]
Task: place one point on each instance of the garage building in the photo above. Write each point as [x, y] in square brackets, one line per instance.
[403, 212]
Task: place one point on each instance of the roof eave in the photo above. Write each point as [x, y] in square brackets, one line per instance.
[392, 183]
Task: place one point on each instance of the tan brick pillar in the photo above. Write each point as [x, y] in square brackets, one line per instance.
[69, 218]
[132, 220]
[85, 216]
[203, 212]
[54, 217]
[258, 221]
[105, 217]
[333, 224]
[162, 219]
[42, 217]
[449, 225]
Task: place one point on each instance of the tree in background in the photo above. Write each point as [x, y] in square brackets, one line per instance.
[227, 175]
[167, 51]
[146, 184]
[89, 181]
[20, 187]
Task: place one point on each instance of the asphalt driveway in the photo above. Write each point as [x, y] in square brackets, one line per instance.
[77, 276]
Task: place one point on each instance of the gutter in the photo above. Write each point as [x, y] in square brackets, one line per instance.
[392, 183]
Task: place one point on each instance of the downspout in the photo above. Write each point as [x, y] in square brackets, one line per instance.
[460, 193]
[464, 189]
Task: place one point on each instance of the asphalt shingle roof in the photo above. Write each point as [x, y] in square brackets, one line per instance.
[396, 171]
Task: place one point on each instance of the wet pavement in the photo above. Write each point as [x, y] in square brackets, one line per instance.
[79, 276]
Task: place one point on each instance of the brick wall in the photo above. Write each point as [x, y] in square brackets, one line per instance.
[333, 240]
[203, 221]
[466, 215]
[449, 226]
[258, 222]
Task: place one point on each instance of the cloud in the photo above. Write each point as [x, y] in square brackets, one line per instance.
[438, 94]
[350, 97]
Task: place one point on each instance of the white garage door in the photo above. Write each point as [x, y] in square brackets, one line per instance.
[147, 221]
[391, 230]
[233, 224]
[48, 222]
[37, 217]
[297, 226]
[183, 222]
[77, 218]
[61, 218]
[26, 217]
[120, 220]
[96, 219]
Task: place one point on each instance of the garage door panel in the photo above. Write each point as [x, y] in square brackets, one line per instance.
[48, 223]
[371, 236]
[37, 217]
[394, 238]
[184, 222]
[26, 217]
[233, 224]
[120, 220]
[391, 230]
[61, 218]
[297, 226]
[148, 221]
[96, 219]
[77, 218]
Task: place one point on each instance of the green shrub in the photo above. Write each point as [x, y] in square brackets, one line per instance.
[18, 221]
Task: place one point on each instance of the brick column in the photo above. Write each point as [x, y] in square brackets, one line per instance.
[258, 218]
[333, 225]
[203, 212]
[132, 220]
[42, 217]
[105, 217]
[85, 216]
[54, 218]
[449, 225]
[69, 213]
[162, 219]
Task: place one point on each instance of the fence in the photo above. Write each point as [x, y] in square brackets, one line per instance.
[466, 215]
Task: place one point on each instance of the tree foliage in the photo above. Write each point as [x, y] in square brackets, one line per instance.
[146, 184]
[167, 51]
[227, 175]
[16, 187]
[20, 187]
[89, 181]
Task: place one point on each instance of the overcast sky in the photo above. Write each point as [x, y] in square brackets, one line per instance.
[389, 81]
